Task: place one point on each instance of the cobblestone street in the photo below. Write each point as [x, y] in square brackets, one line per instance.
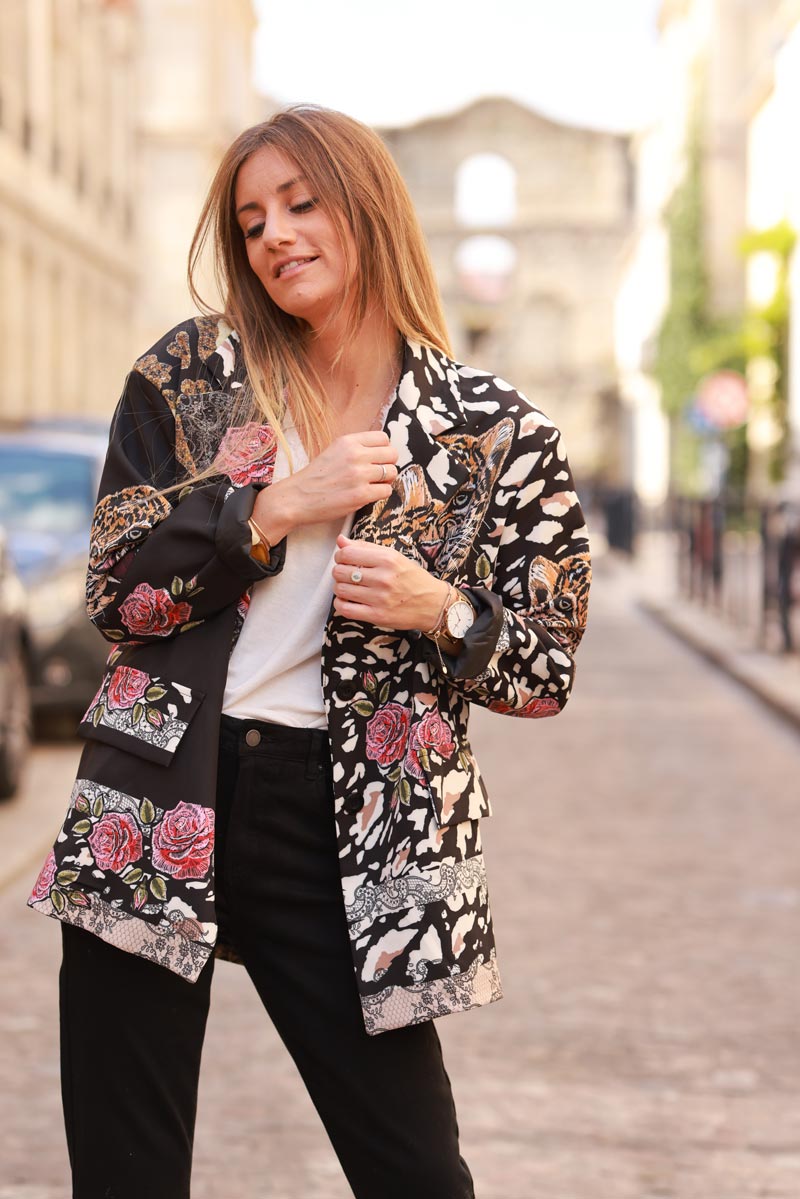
[644, 871]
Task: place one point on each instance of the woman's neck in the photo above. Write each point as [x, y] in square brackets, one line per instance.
[360, 380]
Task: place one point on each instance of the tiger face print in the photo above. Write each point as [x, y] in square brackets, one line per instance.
[440, 533]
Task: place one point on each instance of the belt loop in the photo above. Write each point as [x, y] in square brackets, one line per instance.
[312, 754]
[317, 757]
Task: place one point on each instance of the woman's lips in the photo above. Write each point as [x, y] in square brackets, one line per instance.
[289, 271]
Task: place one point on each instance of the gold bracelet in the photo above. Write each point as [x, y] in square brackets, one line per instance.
[263, 542]
[430, 632]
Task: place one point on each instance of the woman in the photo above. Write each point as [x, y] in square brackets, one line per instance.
[318, 539]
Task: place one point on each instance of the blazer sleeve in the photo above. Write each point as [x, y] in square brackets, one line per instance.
[160, 565]
[519, 656]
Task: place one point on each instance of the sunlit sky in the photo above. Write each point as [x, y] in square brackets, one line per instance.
[589, 62]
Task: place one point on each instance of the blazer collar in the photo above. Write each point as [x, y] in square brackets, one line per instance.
[429, 388]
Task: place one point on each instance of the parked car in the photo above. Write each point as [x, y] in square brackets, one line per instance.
[49, 476]
[15, 662]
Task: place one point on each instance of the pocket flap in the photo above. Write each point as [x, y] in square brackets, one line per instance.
[140, 713]
[458, 791]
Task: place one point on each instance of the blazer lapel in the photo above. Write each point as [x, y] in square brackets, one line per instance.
[426, 413]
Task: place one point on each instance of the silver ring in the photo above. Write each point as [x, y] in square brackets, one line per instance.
[355, 576]
[383, 473]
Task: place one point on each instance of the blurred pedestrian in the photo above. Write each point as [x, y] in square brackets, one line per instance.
[318, 539]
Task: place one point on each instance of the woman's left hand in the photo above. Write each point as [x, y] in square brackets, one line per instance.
[394, 592]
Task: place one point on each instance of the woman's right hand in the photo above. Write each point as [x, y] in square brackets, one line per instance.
[345, 476]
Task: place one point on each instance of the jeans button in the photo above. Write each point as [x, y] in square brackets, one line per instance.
[252, 737]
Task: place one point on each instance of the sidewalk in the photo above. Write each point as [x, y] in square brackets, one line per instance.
[772, 677]
[643, 876]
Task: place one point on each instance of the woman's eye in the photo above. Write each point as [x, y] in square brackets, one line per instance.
[254, 231]
[305, 206]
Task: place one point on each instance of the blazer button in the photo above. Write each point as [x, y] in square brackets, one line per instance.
[353, 801]
[347, 689]
[252, 737]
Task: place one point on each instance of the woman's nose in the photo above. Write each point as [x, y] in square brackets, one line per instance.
[278, 229]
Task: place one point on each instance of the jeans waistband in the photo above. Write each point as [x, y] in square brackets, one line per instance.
[267, 737]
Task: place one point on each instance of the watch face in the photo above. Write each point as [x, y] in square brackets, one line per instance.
[460, 617]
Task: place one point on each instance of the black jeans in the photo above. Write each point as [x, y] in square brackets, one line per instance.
[132, 1031]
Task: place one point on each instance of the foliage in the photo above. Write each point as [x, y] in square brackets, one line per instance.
[685, 321]
[692, 342]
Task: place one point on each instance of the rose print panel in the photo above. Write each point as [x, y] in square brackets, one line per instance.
[247, 454]
[134, 856]
[143, 713]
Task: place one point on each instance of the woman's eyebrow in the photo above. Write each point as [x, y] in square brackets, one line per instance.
[282, 187]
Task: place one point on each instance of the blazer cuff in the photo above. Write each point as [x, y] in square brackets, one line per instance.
[233, 539]
[479, 644]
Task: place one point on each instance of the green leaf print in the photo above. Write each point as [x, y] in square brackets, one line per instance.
[158, 888]
[147, 812]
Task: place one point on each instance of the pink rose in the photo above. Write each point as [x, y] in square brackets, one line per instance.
[152, 613]
[387, 732]
[127, 686]
[548, 706]
[431, 733]
[115, 841]
[247, 453]
[41, 888]
[184, 841]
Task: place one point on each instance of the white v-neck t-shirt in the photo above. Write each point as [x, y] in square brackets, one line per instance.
[274, 672]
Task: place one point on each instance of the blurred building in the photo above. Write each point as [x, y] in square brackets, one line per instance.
[770, 102]
[738, 59]
[525, 219]
[67, 202]
[113, 114]
[195, 95]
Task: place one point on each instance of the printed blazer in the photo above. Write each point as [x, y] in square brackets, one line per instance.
[483, 498]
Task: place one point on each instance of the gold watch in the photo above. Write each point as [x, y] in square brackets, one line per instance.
[455, 620]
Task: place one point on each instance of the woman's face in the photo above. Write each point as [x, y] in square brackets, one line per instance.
[293, 245]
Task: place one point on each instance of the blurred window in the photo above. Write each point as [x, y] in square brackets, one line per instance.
[486, 191]
[485, 267]
[45, 492]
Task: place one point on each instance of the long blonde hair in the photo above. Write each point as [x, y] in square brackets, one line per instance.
[353, 176]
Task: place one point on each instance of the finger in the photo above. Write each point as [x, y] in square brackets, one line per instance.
[352, 610]
[362, 553]
[381, 453]
[369, 437]
[381, 472]
[354, 593]
[344, 574]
